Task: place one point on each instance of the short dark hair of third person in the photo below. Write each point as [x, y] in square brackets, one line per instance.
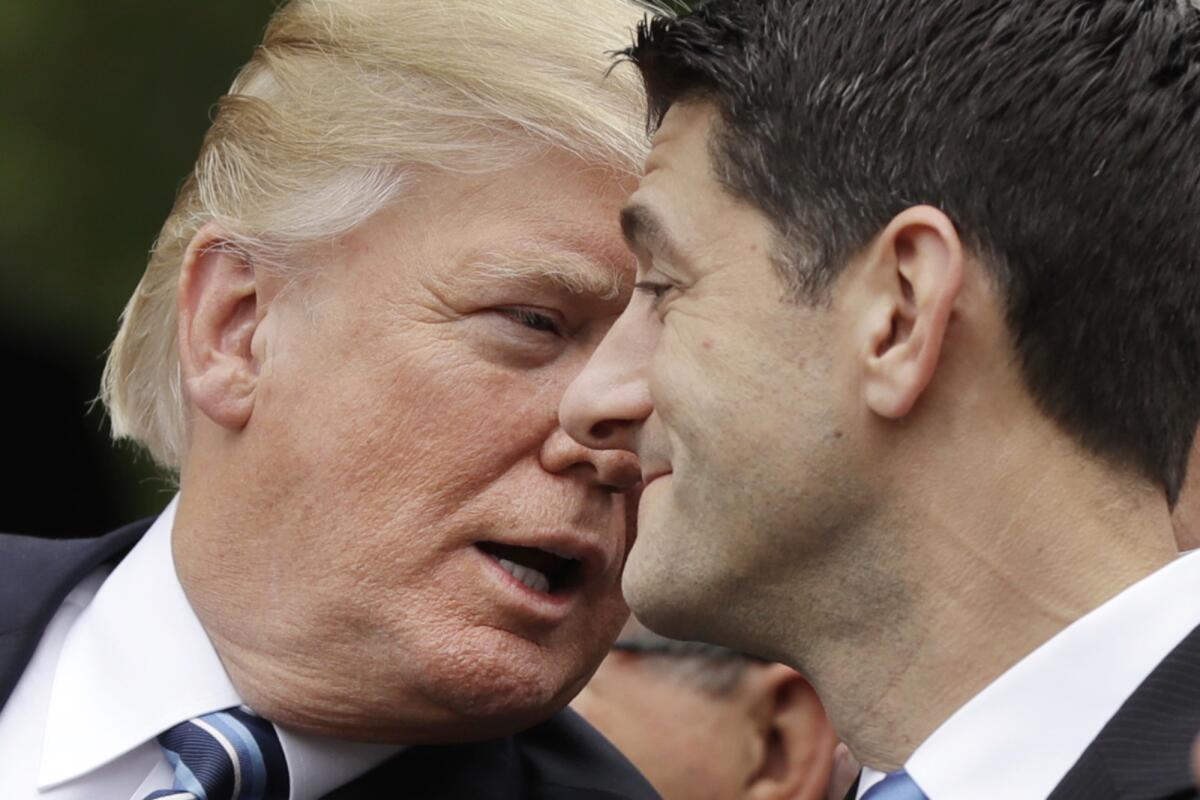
[708, 667]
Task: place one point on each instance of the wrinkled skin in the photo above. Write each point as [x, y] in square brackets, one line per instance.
[355, 436]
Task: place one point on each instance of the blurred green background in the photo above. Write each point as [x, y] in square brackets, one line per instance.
[102, 110]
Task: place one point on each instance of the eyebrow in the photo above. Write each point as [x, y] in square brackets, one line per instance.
[644, 230]
[566, 270]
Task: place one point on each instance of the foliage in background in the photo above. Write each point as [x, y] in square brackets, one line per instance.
[104, 107]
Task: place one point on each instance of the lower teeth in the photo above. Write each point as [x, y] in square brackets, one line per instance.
[527, 575]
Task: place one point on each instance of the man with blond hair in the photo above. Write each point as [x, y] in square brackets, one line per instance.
[387, 568]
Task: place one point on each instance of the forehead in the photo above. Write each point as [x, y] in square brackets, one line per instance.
[555, 198]
[681, 142]
[581, 271]
[680, 210]
[554, 223]
[556, 217]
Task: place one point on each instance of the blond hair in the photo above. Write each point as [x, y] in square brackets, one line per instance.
[337, 109]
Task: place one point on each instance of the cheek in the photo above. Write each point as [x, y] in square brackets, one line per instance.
[421, 419]
[389, 465]
[677, 377]
[699, 393]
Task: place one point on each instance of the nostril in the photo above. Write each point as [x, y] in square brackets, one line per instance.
[601, 431]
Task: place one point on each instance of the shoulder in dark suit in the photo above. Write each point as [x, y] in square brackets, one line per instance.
[1144, 752]
[562, 758]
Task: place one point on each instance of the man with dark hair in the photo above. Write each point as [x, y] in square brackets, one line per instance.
[703, 722]
[913, 373]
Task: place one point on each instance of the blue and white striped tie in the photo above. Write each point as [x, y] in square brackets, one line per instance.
[896, 786]
[227, 755]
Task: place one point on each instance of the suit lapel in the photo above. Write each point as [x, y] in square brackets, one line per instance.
[481, 771]
[564, 758]
[1143, 752]
[36, 575]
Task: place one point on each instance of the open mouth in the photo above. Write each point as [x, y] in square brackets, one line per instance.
[538, 569]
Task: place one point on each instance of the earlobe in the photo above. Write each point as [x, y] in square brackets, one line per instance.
[218, 309]
[796, 740]
[916, 273]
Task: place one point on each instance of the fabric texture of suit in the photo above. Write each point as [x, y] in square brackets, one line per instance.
[1144, 751]
[562, 758]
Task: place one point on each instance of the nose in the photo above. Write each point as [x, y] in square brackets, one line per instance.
[615, 470]
[606, 404]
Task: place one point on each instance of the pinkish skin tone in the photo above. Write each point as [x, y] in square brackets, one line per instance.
[355, 437]
[767, 738]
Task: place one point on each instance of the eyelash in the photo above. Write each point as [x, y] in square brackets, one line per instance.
[654, 290]
[542, 323]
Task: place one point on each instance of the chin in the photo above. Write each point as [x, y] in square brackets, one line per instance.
[664, 583]
[666, 596]
[493, 684]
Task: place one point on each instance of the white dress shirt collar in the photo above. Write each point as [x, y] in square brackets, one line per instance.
[1021, 735]
[137, 661]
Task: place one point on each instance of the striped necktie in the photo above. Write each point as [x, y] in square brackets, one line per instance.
[228, 755]
[896, 786]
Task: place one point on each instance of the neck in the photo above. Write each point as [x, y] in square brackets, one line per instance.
[264, 617]
[967, 578]
[296, 644]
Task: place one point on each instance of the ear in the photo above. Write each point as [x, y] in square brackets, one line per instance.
[913, 277]
[844, 774]
[219, 310]
[1186, 514]
[795, 740]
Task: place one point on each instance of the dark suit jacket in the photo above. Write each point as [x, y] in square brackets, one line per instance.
[1144, 751]
[561, 759]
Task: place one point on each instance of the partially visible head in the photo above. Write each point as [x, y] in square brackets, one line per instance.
[705, 723]
[882, 241]
[1196, 761]
[1186, 514]
[398, 246]
[344, 106]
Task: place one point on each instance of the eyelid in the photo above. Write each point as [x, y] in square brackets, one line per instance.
[517, 313]
[655, 290]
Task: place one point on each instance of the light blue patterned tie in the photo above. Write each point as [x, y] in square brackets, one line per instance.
[896, 786]
[228, 755]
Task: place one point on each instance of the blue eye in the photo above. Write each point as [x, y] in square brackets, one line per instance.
[532, 319]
